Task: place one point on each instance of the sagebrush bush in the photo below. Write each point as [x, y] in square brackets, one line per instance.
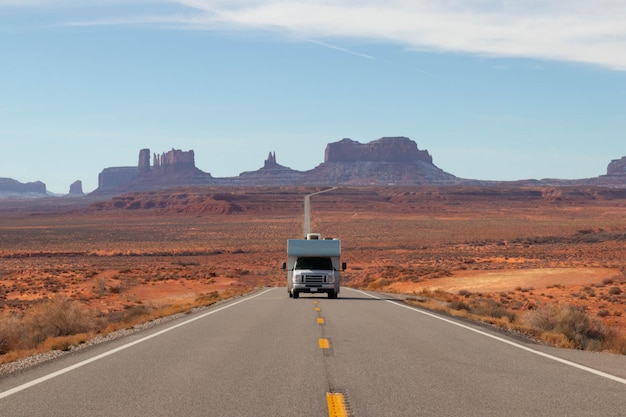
[615, 291]
[580, 329]
[10, 332]
[56, 317]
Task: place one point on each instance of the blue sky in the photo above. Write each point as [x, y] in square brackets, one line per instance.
[498, 90]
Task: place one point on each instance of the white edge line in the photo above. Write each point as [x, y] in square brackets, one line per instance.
[508, 342]
[119, 349]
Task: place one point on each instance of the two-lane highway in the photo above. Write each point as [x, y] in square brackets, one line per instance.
[269, 355]
[394, 360]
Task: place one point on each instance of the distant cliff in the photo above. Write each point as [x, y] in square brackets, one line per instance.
[272, 173]
[388, 149]
[76, 188]
[388, 160]
[168, 169]
[617, 167]
[9, 187]
[115, 177]
[385, 161]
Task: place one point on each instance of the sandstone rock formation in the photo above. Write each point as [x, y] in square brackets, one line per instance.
[617, 167]
[386, 161]
[76, 188]
[174, 161]
[113, 178]
[172, 168]
[388, 149]
[143, 166]
[272, 173]
[270, 162]
[389, 160]
[11, 186]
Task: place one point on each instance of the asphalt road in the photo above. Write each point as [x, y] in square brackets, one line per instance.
[269, 355]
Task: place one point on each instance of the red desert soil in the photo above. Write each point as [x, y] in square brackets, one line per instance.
[510, 279]
[523, 246]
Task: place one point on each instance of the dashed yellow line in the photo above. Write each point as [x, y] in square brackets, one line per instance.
[324, 344]
[320, 320]
[318, 309]
[336, 404]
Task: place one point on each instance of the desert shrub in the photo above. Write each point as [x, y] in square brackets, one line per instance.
[378, 284]
[10, 332]
[56, 317]
[53, 318]
[491, 308]
[459, 305]
[589, 291]
[615, 291]
[116, 289]
[207, 298]
[580, 329]
[131, 314]
[100, 287]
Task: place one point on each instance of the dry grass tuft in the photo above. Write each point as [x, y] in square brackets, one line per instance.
[564, 326]
[54, 318]
[582, 331]
[61, 323]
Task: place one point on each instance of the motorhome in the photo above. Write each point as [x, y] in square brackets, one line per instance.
[313, 265]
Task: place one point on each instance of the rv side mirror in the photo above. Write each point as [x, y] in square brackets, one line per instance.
[344, 266]
[284, 265]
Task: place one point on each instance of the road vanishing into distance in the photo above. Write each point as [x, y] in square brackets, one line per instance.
[363, 354]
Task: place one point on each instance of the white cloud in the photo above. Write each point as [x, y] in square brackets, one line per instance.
[585, 31]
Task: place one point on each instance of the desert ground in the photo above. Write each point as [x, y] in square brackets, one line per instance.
[521, 247]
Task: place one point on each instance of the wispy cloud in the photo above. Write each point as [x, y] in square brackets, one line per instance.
[585, 31]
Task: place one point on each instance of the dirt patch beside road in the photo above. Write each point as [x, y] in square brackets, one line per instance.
[512, 279]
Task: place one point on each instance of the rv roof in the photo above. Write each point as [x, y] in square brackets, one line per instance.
[298, 247]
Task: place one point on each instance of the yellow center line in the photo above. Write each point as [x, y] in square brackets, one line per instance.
[320, 320]
[318, 309]
[324, 343]
[336, 405]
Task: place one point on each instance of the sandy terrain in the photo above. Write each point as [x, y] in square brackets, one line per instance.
[521, 246]
[511, 279]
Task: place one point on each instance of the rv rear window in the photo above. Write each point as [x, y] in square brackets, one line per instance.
[314, 263]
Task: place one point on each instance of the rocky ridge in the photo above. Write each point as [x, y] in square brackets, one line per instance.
[172, 168]
[76, 188]
[10, 187]
[387, 149]
[389, 160]
[617, 167]
[385, 161]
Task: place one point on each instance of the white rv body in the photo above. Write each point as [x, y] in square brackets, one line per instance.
[313, 266]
